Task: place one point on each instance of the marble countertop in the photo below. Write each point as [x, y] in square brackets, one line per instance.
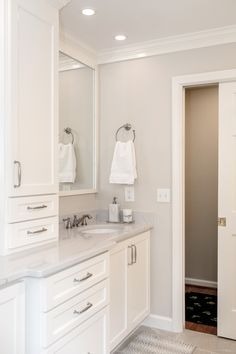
[73, 247]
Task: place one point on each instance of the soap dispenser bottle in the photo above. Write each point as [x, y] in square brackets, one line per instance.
[114, 211]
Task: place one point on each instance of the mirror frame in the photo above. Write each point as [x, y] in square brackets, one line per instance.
[76, 53]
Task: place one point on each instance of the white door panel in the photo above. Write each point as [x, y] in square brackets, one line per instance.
[227, 209]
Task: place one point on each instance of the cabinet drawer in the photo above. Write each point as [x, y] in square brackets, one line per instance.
[70, 282]
[90, 337]
[61, 320]
[31, 233]
[29, 208]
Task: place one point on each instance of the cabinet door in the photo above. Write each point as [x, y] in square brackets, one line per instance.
[90, 337]
[32, 131]
[138, 280]
[12, 320]
[118, 294]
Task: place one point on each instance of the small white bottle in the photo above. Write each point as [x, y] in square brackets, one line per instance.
[127, 215]
[114, 211]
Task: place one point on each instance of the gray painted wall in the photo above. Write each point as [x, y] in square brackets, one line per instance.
[139, 92]
[201, 183]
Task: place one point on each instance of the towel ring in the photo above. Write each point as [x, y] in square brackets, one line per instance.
[69, 132]
[127, 127]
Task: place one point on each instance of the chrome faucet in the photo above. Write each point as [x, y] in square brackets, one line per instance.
[82, 221]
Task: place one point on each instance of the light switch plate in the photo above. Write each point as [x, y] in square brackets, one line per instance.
[129, 194]
[163, 195]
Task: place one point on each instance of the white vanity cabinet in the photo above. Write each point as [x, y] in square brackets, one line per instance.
[129, 286]
[12, 319]
[118, 294]
[89, 338]
[138, 280]
[29, 123]
[68, 309]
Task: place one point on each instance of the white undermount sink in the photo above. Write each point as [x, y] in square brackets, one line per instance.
[101, 230]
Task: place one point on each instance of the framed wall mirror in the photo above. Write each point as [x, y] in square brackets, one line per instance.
[77, 127]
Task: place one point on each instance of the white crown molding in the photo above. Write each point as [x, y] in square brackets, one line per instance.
[217, 36]
[76, 49]
[58, 4]
[213, 37]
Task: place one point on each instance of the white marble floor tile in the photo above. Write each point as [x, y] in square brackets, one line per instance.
[203, 351]
[208, 342]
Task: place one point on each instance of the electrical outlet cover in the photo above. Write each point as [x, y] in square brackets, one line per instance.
[163, 195]
[129, 194]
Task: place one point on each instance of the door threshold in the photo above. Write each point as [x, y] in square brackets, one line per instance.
[196, 327]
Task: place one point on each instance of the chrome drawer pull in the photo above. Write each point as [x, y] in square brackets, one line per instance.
[135, 253]
[37, 207]
[132, 255]
[89, 305]
[37, 231]
[87, 276]
[18, 174]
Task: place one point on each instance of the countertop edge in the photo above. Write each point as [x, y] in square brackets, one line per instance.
[29, 273]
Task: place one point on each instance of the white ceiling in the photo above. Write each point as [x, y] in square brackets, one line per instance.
[142, 20]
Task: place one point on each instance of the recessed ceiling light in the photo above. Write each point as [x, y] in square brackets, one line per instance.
[88, 12]
[120, 37]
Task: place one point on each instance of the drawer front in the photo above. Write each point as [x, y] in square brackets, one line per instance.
[70, 282]
[29, 208]
[27, 234]
[61, 320]
[90, 337]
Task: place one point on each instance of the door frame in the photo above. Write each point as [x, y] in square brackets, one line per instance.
[179, 84]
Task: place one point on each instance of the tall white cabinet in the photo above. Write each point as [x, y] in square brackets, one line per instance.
[29, 122]
[32, 123]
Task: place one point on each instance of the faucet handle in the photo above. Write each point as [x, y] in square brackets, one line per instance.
[75, 221]
[68, 224]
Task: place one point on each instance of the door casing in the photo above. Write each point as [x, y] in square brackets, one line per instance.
[178, 182]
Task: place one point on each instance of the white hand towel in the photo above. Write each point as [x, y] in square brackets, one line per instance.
[67, 163]
[123, 168]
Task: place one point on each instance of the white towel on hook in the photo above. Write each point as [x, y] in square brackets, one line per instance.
[123, 168]
[67, 163]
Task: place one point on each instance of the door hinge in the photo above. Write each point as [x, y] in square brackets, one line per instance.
[222, 221]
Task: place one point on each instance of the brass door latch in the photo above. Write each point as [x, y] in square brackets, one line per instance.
[221, 221]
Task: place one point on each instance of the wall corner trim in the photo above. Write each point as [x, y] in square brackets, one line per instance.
[159, 322]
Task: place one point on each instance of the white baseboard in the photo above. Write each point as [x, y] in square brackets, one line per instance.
[160, 322]
[201, 282]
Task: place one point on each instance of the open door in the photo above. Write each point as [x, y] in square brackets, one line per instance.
[227, 211]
